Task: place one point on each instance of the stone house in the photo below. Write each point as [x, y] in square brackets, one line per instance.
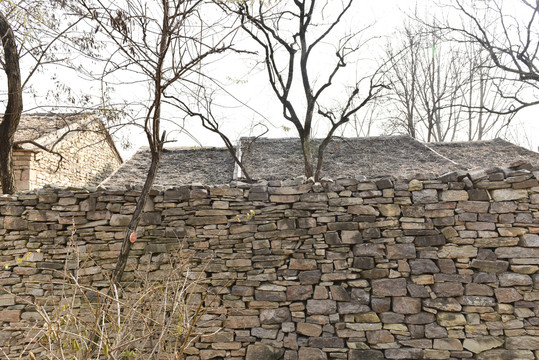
[83, 152]
[400, 157]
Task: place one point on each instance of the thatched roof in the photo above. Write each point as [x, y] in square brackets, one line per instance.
[277, 159]
[178, 166]
[485, 154]
[398, 156]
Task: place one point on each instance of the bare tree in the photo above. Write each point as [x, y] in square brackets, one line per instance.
[158, 44]
[291, 35]
[508, 32]
[34, 35]
[440, 89]
[12, 115]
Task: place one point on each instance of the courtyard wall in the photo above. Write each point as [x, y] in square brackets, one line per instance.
[347, 269]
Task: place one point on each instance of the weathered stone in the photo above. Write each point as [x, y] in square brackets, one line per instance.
[263, 351]
[517, 252]
[478, 290]
[363, 262]
[367, 317]
[423, 266]
[482, 278]
[389, 209]
[339, 293]
[10, 315]
[323, 307]
[406, 305]
[415, 211]
[310, 277]
[391, 318]
[242, 290]
[11, 210]
[495, 242]
[421, 318]
[326, 342]
[478, 195]
[242, 322]
[454, 195]
[435, 331]
[379, 336]
[365, 355]
[309, 329]
[15, 223]
[369, 250]
[351, 307]
[389, 287]
[404, 353]
[401, 251]
[477, 300]
[274, 316]
[483, 343]
[447, 266]
[529, 240]
[381, 305]
[310, 354]
[512, 279]
[496, 267]
[452, 252]
[473, 206]
[345, 201]
[522, 342]
[507, 295]
[447, 344]
[351, 237]
[149, 218]
[363, 210]
[447, 319]
[181, 193]
[206, 220]
[508, 194]
[302, 264]
[502, 354]
[430, 240]
[299, 292]
[427, 196]
[448, 289]
[417, 291]
[503, 207]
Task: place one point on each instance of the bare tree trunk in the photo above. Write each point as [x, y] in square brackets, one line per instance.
[306, 147]
[12, 115]
[135, 219]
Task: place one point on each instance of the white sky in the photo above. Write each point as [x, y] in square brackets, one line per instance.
[252, 88]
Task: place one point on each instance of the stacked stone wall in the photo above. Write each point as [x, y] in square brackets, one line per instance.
[420, 269]
[87, 159]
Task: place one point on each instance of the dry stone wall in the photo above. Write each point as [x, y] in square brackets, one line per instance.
[87, 159]
[420, 269]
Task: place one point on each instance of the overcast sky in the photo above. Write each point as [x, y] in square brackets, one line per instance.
[250, 100]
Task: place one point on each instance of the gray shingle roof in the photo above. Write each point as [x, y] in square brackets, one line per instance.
[277, 159]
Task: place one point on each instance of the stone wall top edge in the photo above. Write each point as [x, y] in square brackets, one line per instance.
[519, 169]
